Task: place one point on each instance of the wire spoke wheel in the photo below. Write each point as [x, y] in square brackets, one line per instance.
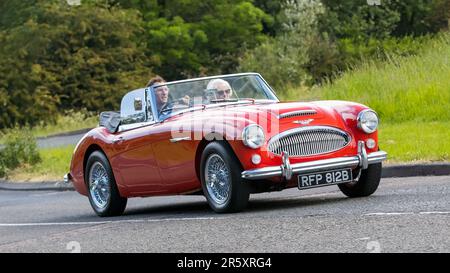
[218, 180]
[99, 185]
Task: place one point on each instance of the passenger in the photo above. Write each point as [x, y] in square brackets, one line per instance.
[222, 88]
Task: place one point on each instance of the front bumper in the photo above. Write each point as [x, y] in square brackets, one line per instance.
[286, 170]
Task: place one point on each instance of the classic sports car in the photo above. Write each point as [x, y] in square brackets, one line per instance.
[224, 137]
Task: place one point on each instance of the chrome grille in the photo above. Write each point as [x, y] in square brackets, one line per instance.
[311, 140]
[299, 113]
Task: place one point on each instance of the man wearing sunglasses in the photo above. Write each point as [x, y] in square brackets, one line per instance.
[222, 89]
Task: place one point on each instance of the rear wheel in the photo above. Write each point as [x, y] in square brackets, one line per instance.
[367, 183]
[102, 189]
[221, 179]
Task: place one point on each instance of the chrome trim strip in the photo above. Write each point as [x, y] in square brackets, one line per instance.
[67, 178]
[131, 126]
[211, 77]
[177, 139]
[315, 166]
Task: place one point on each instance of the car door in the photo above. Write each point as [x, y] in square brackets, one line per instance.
[176, 156]
[134, 158]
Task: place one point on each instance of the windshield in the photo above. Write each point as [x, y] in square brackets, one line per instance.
[174, 97]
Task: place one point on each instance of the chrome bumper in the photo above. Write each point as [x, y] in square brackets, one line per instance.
[67, 178]
[286, 170]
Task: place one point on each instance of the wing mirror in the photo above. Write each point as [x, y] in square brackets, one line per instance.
[137, 104]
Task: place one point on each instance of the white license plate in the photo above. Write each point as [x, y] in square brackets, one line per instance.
[325, 178]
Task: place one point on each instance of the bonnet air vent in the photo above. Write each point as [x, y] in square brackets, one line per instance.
[300, 113]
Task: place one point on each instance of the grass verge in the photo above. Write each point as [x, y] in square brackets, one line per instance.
[415, 141]
[55, 163]
[411, 95]
[404, 142]
[403, 88]
[69, 122]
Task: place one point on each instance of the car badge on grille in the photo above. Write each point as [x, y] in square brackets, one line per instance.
[303, 122]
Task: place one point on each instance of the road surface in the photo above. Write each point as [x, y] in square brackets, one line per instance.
[404, 215]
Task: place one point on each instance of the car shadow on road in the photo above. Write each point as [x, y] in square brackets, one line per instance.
[201, 208]
[300, 202]
[193, 207]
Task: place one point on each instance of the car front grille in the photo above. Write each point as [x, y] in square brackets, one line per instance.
[307, 141]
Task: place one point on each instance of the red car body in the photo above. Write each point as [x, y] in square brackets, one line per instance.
[148, 161]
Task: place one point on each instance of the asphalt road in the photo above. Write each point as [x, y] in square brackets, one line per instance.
[404, 215]
[58, 141]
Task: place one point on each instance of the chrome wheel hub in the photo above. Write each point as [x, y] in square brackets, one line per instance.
[99, 185]
[218, 180]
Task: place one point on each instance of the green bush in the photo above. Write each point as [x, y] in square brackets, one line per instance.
[283, 60]
[19, 148]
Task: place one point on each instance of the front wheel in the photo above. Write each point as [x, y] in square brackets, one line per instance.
[367, 183]
[102, 189]
[221, 179]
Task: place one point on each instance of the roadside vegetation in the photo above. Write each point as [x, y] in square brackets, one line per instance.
[69, 122]
[18, 150]
[411, 95]
[54, 163]
[60, 65]
[401, 88]
[416, 141]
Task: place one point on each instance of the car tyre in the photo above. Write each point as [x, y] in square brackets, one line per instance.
[102, 189]
[366, 185]
[218, 167]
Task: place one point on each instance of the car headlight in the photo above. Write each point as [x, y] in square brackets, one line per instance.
[368, 121]
[253, 136]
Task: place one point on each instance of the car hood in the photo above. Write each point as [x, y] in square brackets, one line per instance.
[280, 116]
[290, 110]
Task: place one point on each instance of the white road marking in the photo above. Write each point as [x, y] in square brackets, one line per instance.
[44, 194]
[406, 213]
[106, 222]
[388, 213]
[87, 223]
[435, 212]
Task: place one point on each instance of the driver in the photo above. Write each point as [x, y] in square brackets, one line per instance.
[162, 94]
[222, 88]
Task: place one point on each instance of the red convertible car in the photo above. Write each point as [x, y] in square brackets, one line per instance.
[224, 137]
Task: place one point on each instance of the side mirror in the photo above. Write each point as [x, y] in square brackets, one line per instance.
[137, 104]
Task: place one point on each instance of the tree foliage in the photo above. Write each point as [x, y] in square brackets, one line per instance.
[66, 57]
[55, 57]
[283, 60]
[189, 37]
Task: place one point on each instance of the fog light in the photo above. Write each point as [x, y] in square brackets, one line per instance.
[370, 143]
[256, 159]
